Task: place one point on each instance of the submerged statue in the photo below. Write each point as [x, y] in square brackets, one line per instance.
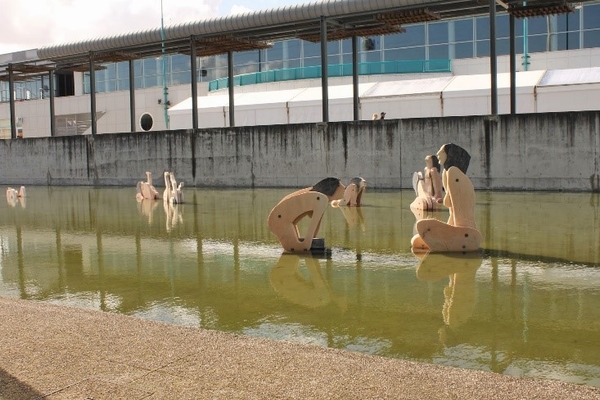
[460, 232]
[173, 193]
[352, 194]
[311, 202]
[145, 190]
[428, 186]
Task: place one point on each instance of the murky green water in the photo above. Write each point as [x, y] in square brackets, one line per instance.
[527, 305]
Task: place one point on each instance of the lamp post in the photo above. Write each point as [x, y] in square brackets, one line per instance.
[164, 68]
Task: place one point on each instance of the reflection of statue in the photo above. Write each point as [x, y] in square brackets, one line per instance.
[145, 190]
[460, 232]
[173, 193]
[12, 196]
[290, 284]
[173, 215]
[428, 186]
[353, 215]
[352, 194]
[310, 202]
[147, 207]
[460, 296]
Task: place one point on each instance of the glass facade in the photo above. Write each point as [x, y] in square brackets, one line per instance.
[449, 39]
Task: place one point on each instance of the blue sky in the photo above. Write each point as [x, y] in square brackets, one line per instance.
[28, 24]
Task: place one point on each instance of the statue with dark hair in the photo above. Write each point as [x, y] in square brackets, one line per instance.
[428, 186]
[460, 232]
[455, 156]
[353, 193]
[310, 202]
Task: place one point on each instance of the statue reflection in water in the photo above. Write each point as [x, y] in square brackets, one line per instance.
[173, 215]
[146, 208]
[460, 294]
[310, 291]
[350, 204]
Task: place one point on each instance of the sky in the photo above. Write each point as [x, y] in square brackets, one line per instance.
[30, 24]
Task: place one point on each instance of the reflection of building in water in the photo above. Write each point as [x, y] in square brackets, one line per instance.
[460, 295]
[312, 291]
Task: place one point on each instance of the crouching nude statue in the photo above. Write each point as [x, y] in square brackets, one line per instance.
[460, 232]
[352, 194]
[309, 202]
[428, 186]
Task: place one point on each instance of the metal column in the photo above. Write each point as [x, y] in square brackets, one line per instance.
[493, 61]
[132, 96]
[513, 66]
[52, 109]
[324, 72]
[93, 94]
[194, 80]
[11, 97]
[230, 81]
[355, 78]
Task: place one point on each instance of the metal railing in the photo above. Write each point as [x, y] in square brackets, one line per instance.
[335, 70]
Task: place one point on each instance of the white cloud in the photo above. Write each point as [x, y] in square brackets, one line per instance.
[29, 24]
[237, 9]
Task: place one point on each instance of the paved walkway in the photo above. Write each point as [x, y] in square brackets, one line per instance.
[56, 352]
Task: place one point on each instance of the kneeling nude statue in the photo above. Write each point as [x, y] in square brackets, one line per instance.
[428, 186]
[460, 232]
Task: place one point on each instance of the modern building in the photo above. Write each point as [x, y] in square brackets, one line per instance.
[427, 56]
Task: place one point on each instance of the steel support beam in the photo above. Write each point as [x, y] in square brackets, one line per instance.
[194, 81]
[52, 108]
[324, 70]
[493, 61]
[132, 120]
[11, 97]
[355, 83]
[93, 94]
[230, 81]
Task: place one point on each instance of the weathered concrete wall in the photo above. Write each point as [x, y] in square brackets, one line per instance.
[555, 151]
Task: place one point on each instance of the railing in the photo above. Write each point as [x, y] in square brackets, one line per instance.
[336, 70]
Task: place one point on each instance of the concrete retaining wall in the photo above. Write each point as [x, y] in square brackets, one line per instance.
[554, 151]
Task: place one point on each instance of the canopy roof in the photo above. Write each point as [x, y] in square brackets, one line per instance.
[258, 30]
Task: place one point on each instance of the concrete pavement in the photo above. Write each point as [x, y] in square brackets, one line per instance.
[56, 352]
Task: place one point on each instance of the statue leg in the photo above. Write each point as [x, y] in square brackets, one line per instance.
[440, 237]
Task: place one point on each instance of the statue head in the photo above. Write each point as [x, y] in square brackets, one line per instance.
[452, 155]
[329, 187]
[433, 161]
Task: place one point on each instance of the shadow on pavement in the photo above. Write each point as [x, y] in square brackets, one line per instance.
[13, 389]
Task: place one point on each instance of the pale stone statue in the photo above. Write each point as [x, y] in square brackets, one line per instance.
[311, 202]
[352, 194]
[460, 232]
[428, 186]
[173, 193]
[145, 190]
[13, 196]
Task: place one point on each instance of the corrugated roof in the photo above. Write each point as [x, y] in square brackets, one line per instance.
[572, 76]
[409, 87]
